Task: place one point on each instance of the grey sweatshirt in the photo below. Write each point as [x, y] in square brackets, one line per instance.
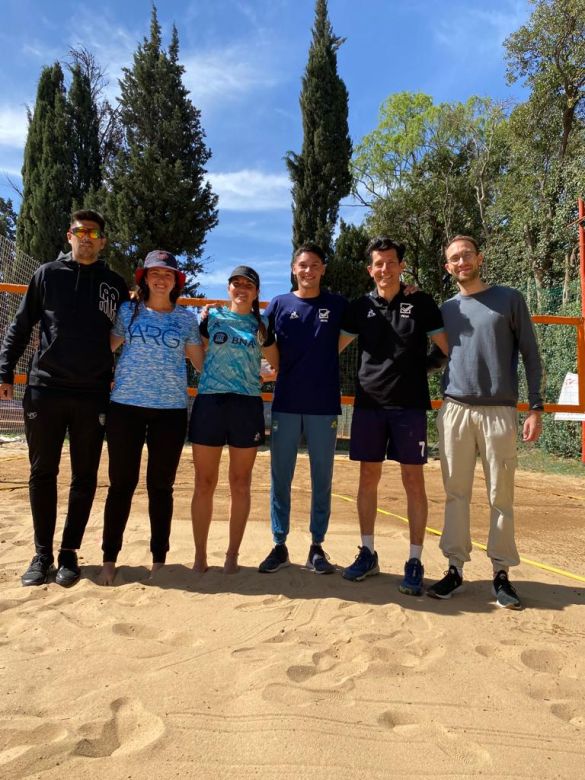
[486, 332]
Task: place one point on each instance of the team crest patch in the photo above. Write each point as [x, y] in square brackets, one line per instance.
[324, 315]
[371, 313]
[406, 309]
[294, 315]
[31, 415]
[220, 337]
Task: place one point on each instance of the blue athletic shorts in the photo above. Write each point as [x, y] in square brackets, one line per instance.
[396, 434]
[227, 418]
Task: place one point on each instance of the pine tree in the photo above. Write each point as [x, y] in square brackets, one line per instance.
[320, 174]
[44, 214]
[157, 195]
[7, 219]
[347, 268]
[85, 140]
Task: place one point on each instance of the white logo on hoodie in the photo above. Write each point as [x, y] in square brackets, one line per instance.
[108, 303]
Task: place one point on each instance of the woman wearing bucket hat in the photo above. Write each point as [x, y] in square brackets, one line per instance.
[229, 410]
[148, 403]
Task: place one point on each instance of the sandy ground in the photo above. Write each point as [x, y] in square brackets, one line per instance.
[292, 674]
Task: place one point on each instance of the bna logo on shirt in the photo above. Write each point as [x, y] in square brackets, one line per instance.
[220, 337]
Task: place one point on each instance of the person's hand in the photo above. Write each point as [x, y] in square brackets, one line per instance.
[409, 289]
[204, 312]
[532, 426]
[6, 392]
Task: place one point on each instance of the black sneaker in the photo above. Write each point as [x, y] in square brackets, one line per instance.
[505, 592]
[39, 571]
[68, 572]
[276, 559]
[318, 560]
[451, 583]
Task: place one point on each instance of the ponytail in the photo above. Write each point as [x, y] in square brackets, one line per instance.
[262, 333]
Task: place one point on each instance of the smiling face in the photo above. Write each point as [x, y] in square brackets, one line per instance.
[308, 269]
[242, 293]
[385, 269]
[160, 281]
[463, 263]
[86, 240]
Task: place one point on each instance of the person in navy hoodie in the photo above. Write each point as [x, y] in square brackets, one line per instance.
[74, 299]
[306, 324]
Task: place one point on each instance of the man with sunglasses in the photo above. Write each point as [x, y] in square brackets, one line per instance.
[74, 299]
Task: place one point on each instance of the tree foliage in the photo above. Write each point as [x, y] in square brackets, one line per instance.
[86, 162]
[346, 270]
[157, 194]
[7, 219]
[320, 174]
[47, 171]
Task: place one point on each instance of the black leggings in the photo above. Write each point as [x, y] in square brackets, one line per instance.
[128, 427]
[49, 414]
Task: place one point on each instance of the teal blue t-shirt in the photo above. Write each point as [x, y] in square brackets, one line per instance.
[232, 360]
[152, 369]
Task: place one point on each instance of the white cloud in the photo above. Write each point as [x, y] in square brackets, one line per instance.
[250, 190]
[13, 126]
[485, 28]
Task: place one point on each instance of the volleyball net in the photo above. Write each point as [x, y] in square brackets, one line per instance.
[561, 340]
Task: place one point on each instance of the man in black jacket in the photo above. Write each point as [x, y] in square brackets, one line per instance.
[74, 299]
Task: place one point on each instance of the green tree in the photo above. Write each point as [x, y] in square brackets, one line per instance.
[7, 219]
[346, 270]
[427, 172]
[157, 194]
[44, 214]
[320, 174]
[85, 142]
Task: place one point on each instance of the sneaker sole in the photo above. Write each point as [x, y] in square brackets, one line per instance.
[408, 591]
[310, 567]
[434, 595]
[276, 568]
[517, 605]
[361, 577]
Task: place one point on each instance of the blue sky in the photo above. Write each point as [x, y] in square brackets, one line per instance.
[244, 61]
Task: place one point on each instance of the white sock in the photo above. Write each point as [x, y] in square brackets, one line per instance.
[458, 565]
[416, 551]
[368, 541]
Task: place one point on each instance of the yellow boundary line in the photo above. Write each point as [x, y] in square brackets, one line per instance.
[478, 545]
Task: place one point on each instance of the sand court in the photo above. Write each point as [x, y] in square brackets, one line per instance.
[293, 674]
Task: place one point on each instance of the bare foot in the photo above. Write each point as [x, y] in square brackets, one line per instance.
[107, 574]
[200, 566]
[231, 563]
[155, 567]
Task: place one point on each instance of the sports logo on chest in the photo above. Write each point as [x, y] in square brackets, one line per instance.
[406, 309]
[108, 301]
[324, 315]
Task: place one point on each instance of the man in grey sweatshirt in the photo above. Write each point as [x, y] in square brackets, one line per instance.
[487, 328]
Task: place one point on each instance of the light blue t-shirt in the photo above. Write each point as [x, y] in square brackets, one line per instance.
[152, 369]
[232, 360]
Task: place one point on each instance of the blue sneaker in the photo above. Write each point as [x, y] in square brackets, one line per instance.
[412, 584]
[365, 565]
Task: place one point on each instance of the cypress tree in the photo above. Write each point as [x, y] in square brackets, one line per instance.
[320, 174]
[44, 214]
[157, 195]
[85, 138]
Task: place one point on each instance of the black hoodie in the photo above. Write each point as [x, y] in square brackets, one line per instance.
[76, 306]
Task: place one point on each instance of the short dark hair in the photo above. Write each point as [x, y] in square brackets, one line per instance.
[470, 239]
[383, 244]
[311, 247]
[90, 215]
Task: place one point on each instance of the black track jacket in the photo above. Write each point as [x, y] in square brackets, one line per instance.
[75, 306]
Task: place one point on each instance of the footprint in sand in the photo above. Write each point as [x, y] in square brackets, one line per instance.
[274, 602]
[130, 729]
[28, 743]
[570, 713]
[450, 742]
[543, 660]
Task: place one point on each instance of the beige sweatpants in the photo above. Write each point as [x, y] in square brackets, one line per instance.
[463, 432]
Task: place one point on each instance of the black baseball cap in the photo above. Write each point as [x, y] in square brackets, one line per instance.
[247, 273]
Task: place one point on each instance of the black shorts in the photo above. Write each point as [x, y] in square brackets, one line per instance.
[227, 418]
[397, 434]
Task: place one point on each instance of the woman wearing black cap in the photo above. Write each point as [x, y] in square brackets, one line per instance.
[229, 410]
[148, 403]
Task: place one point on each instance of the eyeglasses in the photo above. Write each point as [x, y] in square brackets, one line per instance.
[80, 232]
[465, 256]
